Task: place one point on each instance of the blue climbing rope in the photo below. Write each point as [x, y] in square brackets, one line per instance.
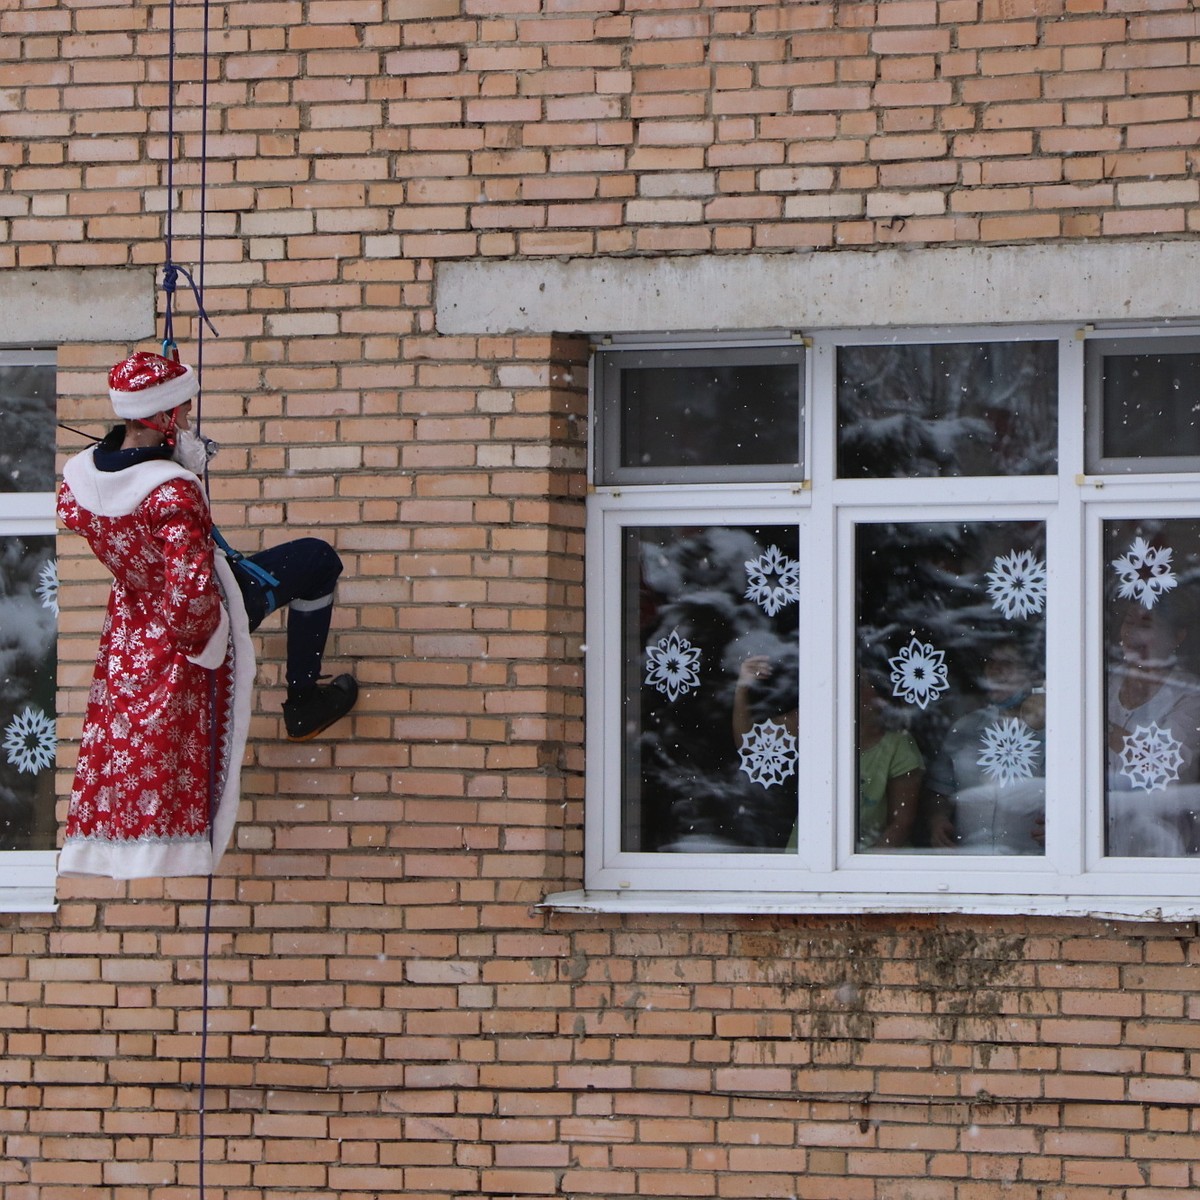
[170, 349]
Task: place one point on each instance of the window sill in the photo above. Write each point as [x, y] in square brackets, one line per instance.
[30, 881]
[1117, 908]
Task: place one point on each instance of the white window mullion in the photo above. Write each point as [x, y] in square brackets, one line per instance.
[1068, 756]
[821, 636]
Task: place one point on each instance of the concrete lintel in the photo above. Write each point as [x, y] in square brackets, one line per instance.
[1092, 281]
[79, 304]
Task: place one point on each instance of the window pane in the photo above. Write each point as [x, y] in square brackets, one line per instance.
[709, 629]
[1152, 689]
[1151, 403]
[27, 395]
[28, 621]
[702, 415]
[950, 717]
[909, 411]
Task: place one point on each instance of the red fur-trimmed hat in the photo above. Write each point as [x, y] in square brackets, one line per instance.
[145, 384]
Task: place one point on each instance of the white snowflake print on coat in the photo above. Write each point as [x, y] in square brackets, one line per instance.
[1010, 751]
[1151, 758]
[671, 666]
[774, 580]
[47, 588]
[30, 741]
[918, 673]
[1017, 584]
[768, 754]
[1145, 572]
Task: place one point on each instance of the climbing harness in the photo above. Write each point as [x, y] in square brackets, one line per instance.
[249, 567]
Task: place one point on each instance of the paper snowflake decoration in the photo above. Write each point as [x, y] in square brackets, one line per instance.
[30, 741]
[1151, 758]
[774, 580]
[918, 673]
[768, 754]
[1145, 572]
[47, 588]
[1017, 584]
[671, 666]
[1010, 751]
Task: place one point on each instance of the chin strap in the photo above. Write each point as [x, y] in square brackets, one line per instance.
[168, 434]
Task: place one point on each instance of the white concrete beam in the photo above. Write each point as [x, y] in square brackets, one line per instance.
[84, 304]
[1094, 281]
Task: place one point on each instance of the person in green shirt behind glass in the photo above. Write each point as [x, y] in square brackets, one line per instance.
[890, 766]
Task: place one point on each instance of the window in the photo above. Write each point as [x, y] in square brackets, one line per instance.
[28, 630]
[903, 620]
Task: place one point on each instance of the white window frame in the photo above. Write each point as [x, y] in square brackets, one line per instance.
[826, 875]
[27, 877]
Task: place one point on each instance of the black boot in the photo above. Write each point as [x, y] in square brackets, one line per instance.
[307, 711]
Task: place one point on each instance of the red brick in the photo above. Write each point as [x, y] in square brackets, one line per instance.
[379, 911]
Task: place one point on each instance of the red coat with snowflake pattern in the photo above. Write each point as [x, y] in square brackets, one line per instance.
[157, 779]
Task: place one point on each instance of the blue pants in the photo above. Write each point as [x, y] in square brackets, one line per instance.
[307, 570]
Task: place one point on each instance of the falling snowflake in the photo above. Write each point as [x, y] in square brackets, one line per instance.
[1010, 751]
[47, 588]
[1017, 584]
[671, 666]
[1145, 572]
[1151, 758]
[30, 741]
[774, 580]
[768, 754]
[918, 673]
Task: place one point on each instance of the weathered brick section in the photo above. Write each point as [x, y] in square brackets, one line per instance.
[674, 1057]
[391, 1016]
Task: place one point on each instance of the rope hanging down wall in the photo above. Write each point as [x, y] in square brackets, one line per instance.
[170, 348]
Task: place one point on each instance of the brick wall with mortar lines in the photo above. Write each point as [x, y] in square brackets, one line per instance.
[391, 1017]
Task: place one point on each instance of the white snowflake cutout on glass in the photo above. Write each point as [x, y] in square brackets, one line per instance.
[30, 741]
[671, 666]
[1145, 572]
[1009, 751]
[47, 588]
[768, 754]
[1017, 584]
[1151, 758]
[774, 580]
[918, 673]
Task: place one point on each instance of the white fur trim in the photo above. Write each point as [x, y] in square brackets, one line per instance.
[162, 397]
[144, 860]
[213, 654]
[118, 493]
[244, 670]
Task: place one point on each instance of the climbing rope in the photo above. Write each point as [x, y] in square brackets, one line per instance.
[170, 349]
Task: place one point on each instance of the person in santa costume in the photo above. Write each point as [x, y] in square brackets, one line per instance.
[157, 780]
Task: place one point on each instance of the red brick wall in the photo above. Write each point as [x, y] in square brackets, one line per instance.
[391, 1016]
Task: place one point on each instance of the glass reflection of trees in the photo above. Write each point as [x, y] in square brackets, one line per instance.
[27, 681]
[1152, 687]
[925, 586]
[685, 788]
[27, 396]
[909, 411]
